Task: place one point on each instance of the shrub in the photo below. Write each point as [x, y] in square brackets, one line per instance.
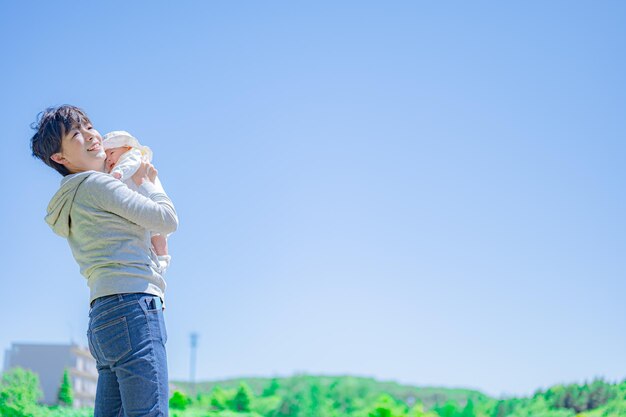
[19, 393]
[179, 401]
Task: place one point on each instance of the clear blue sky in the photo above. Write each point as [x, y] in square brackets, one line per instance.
[420, 191]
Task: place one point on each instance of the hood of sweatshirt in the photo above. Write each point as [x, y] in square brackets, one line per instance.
[58, 217]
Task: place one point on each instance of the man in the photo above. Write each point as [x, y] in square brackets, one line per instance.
[108, 227]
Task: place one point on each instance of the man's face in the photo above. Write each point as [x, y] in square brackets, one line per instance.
[81, 150]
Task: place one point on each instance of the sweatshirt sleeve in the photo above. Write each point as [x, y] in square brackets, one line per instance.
[158, 187]
[155, 212]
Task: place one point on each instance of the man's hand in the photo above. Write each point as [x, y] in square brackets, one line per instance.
[146, 172]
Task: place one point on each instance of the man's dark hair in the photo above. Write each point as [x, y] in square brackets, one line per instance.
[51, 125]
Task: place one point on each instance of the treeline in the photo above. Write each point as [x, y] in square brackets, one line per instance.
[347, 392]
[307, 396]
[597, 398]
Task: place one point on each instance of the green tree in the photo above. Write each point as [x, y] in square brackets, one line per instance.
[271, 389]
[449, 409]
[290, 406]
[418, 411]
[581, 401]
[500, 409]
[19, 392]
[319, 405]
[218, 399]
[242, 399]
[266, 406]
[600, 394]
[179, 401]
[386, 406]
[468, 411]
[66, 394]
[343, 393]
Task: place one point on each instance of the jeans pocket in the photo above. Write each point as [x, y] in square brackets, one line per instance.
[112, 340]
[156, 325]
[153, 310]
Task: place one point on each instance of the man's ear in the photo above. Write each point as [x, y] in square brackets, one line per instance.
[58, 158]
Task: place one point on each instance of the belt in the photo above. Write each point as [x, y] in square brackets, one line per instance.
[154, 303]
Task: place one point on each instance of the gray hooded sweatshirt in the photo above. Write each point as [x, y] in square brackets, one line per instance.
[108, 227]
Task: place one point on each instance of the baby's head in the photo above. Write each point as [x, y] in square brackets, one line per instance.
[117, 143]
[113, 155]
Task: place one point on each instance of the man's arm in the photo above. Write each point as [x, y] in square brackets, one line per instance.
[155, 213]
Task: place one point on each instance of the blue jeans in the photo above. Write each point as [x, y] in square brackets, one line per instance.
[127, 338]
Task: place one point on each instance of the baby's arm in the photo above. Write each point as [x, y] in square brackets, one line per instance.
[127, 165]
[159, 243]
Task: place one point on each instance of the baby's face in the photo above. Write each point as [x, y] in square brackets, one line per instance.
[113, 155]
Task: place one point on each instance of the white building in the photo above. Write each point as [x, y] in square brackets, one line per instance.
[50, 362]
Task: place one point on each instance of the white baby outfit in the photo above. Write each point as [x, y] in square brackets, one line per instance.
[128, 164]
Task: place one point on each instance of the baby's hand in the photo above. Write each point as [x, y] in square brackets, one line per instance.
[146, 172]
[117, 175]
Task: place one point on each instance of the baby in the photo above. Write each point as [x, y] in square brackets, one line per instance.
[124, 156]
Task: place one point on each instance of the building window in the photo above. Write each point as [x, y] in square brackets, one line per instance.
[80, 364]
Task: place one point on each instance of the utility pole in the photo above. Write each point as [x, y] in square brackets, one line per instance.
[192, 362]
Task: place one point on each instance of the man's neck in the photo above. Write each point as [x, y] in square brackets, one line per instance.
[99, 168]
